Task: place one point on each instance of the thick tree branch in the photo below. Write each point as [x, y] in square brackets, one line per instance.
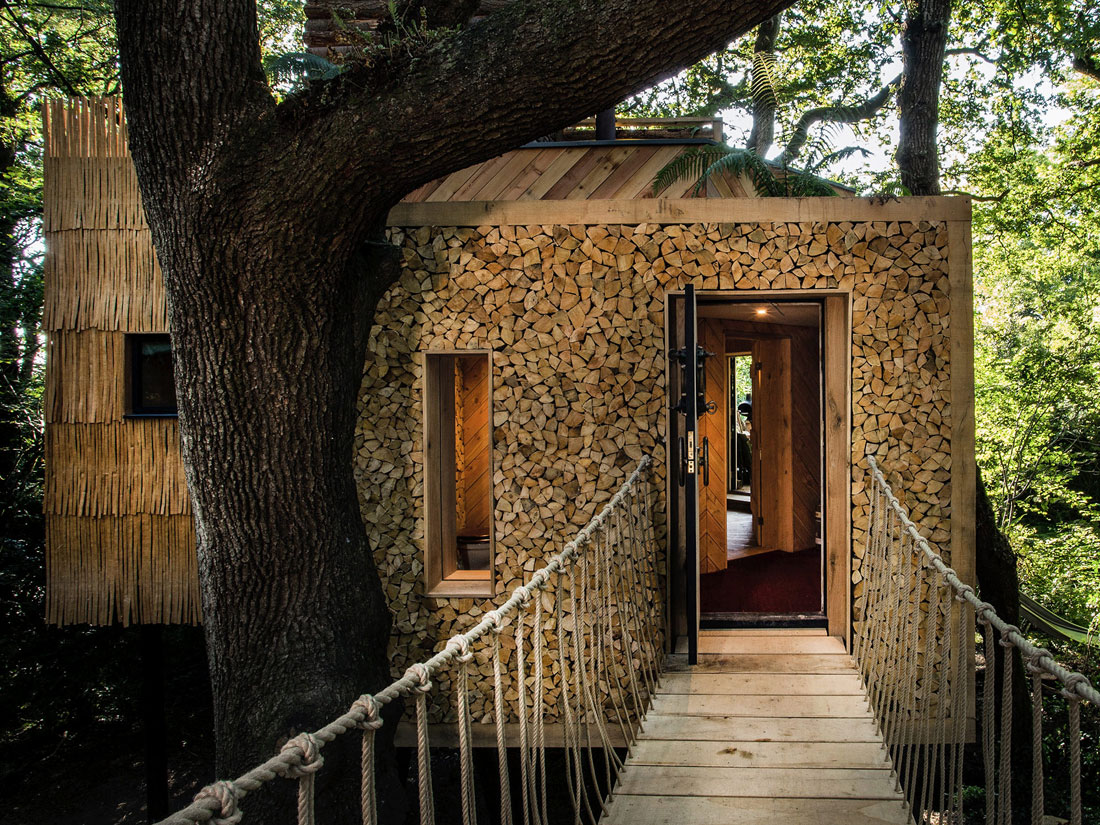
[519, 74]
[834, 114]
[196, 65]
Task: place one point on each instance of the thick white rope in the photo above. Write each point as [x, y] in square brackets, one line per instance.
[220, 802]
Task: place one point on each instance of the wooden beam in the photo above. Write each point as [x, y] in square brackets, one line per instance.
[964, 480]
[837, 357]
[688, 210]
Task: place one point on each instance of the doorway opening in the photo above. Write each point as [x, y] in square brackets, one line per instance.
[761, 551]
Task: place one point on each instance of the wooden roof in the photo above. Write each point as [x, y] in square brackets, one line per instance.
[620, 170]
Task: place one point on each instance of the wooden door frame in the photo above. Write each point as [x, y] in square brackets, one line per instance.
[837, 446]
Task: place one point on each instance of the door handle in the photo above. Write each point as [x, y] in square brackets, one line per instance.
[705, 461]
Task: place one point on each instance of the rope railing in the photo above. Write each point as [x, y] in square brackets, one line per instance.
[911, 647]
[605, 656]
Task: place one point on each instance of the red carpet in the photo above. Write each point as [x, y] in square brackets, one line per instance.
[768, 583]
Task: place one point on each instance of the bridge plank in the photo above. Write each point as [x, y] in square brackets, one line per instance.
[757, 729]
[865, 755]
[763, 663]
[770, 644]
[678, 810]
[769, 783]
[694, 704]
[839, 684]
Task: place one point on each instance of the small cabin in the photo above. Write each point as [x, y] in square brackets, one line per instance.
[556, 320]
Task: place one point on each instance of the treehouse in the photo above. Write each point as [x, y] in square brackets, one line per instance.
[556, 320]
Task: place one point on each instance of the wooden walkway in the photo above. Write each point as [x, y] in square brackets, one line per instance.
[772, 726]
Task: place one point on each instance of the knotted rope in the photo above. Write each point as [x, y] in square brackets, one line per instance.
[911, 646]
[620, 567]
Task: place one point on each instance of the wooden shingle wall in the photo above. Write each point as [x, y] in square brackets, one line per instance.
[120, 544]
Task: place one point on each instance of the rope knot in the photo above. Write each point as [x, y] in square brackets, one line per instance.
[422, 676]
[963, 590]
[462, 645]
[226, 794]
[1072, 682]
[310, 760]
[1034, 659]
[494, 619]
[368, 707]
[984, 611]
[524, 597]
[1009, 629]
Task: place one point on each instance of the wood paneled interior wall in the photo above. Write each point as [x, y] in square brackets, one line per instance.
[120, 545]
[713, 428]
[806, 434]
[475, 478]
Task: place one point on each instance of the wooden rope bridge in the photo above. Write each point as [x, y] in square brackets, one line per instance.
[771, 726]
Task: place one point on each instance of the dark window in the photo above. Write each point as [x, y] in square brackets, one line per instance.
[152, 384]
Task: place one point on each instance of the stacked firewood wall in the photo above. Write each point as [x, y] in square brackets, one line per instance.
[575, 316]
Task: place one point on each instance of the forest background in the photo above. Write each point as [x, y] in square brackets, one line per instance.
[815, 88]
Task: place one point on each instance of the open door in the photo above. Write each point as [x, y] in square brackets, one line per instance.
[684, 450]
[714, 435]
[772, 488]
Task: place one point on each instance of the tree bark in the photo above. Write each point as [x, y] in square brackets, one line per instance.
[923, 42]
[267, 220]
[764, 101]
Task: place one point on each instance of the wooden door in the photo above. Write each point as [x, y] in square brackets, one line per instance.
[772, 483]
[713, 430]
[683, 456]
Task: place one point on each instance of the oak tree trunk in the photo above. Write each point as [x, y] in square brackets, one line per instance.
[268, 224]
[923, 42]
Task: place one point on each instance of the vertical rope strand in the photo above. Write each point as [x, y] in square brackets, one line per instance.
[521, 702]
[502, 743]
[1073, 706]
[1037, 802]
[465, 744]
[989, 680]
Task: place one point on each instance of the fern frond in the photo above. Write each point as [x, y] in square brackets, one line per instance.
[739, 162]
[840, 155]
[294, 68]
[691, 165]
[765, 86]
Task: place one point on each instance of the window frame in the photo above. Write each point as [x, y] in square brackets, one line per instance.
[134, 407]
[442, 578]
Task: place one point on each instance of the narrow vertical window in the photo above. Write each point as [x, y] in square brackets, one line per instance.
[152, 382]
[458, 473]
